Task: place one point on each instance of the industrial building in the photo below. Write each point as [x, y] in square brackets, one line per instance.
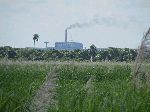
[68, 45]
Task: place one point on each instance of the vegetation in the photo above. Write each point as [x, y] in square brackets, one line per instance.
[110, 54]
[35, 38]
[93, 51]
[105, 87]
[82, 86]
[19, 82]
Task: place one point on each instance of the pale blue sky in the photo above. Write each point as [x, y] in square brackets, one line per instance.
[120, 23]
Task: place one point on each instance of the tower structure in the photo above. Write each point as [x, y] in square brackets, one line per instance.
[46, 44]
[67, 45]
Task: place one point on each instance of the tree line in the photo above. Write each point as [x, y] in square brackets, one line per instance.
[91, 54]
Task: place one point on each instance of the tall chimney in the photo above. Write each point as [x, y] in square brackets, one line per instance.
[66, 35]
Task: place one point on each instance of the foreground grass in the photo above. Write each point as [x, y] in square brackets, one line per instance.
[99, 88]
[18, 84]
[82, 87]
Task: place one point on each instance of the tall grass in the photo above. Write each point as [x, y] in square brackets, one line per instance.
[99, 88]
[18, 84]
[82, 87]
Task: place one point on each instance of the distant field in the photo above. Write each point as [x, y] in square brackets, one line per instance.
[82, 87]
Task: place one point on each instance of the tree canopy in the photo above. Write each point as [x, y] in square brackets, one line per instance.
[109, 54]
[35, 38]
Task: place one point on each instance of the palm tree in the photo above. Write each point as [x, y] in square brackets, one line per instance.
[35, 38]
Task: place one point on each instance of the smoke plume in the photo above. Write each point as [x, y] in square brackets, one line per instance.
[107, 21]
[80, 25]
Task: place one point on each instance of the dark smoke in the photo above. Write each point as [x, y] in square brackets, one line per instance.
[107, 21]
[79, 25]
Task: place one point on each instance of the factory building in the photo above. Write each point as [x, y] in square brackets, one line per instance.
[68, 45]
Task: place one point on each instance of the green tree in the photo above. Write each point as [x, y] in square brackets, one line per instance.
[93, 52]
[133, 54]
[35, 38]
[113, 54]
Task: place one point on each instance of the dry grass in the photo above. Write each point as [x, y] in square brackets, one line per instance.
[139, 69]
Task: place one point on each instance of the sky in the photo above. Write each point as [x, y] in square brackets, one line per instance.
[104, 23]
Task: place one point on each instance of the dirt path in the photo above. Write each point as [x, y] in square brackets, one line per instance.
[45, 95]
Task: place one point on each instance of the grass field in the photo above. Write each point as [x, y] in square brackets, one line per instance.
[82, 87]
[18, 84]
[105, 87]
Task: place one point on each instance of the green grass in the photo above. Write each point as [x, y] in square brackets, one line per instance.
[82, 87]
[110, 89]
[18, 84]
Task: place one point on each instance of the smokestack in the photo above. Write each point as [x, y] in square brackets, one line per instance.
[66, 35]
